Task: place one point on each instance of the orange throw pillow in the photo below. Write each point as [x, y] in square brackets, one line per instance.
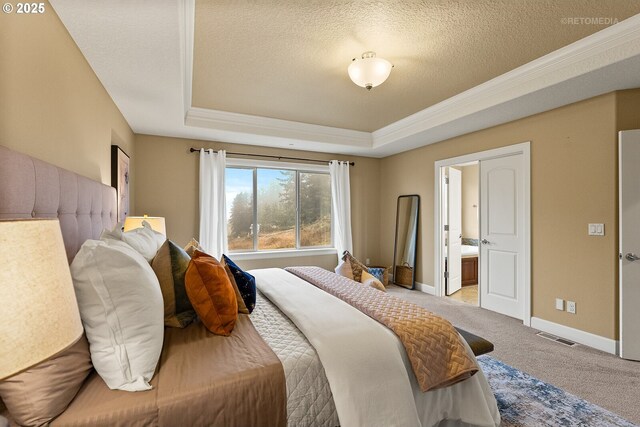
[211, 293]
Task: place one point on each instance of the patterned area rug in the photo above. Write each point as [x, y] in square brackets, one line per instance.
[526, 401]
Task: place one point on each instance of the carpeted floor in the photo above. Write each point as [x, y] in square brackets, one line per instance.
[600, 378]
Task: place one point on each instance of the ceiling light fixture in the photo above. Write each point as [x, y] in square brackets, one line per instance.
[369, 71]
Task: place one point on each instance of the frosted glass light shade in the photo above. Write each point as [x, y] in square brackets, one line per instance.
[156, 222]
[40, 316]
[369, 71]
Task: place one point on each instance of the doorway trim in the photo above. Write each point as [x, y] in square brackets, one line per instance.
[523, 148]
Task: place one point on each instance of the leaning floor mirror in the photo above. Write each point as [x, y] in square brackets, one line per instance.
[404, 252]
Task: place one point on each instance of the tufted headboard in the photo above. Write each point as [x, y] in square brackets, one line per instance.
[31, 188]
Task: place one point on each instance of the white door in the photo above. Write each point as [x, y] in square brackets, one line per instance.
[454, 221]
[502, 235]
[629, 182]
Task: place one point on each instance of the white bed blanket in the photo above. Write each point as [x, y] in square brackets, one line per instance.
[366, 365]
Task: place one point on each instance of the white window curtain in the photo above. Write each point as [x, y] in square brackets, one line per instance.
[341, 205]
[213, 221]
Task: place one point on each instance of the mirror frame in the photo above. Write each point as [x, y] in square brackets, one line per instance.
[395, 243]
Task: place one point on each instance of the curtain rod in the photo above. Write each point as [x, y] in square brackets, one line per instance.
[197, 150]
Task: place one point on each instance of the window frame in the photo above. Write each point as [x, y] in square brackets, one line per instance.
[298, 168]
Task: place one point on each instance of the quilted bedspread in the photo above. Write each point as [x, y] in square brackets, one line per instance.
[436, 351]
[309, 399]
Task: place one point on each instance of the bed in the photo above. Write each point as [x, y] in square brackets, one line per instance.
[390, 397]
[324, 386]
[201, 378]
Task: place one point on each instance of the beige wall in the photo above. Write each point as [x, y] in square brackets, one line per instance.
[328, 262]
[470, 201]
[628, 109]
[573, 182]
[166, 178]
[52, 105]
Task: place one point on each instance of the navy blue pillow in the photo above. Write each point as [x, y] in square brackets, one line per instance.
[246, 283]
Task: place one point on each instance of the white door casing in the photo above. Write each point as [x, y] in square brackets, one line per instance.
[502, 230]
[454, 221]
[629, 233]
[442, 213]
[523, 148]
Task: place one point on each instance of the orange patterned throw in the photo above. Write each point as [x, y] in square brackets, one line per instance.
[437, 353]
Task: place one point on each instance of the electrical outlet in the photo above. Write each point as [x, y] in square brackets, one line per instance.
[596, 230]
[367, 261]
[559, 304]
[571, 307]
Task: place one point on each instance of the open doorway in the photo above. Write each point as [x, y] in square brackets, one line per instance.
[504, 234]
[462, 225]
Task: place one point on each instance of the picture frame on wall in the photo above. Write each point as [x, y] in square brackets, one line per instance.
[120, 174]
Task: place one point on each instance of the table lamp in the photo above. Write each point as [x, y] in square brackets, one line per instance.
[156, 223]
[40, 316]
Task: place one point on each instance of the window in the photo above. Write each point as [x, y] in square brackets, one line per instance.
[239, 201]
[315, 209]
[271, 208]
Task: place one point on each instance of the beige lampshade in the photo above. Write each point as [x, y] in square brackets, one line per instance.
[40, 316]
[156, 223]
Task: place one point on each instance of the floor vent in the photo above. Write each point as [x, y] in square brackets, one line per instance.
[557, 339]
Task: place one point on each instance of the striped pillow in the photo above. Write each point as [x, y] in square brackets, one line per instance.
[356, 266]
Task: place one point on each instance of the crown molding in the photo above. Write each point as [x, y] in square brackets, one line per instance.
[609, 46]
[484, 104]
[277, 128]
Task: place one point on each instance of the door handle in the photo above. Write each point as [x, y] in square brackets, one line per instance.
[485, 242]
[631, 257]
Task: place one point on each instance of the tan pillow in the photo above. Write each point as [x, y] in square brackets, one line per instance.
[344, 269]
[192, 246]
[36, 396]
[170, 265]
[370, 280]
[242, 307]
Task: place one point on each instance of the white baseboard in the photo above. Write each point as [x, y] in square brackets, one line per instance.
[427, 289]
[585, 338]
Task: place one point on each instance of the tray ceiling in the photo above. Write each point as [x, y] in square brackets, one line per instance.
[273, 73]
[288, 59]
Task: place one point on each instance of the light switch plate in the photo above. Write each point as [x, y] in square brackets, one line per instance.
[596, 230]
[559, 304]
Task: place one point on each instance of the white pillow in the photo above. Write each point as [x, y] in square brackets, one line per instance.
[143, 239]
[344, 269]
[122, 311]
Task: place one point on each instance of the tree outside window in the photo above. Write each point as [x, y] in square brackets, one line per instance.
[293, 209]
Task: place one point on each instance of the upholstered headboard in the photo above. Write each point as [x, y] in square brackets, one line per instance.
[31, 188]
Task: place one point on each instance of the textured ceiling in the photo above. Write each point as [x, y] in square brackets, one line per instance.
[288, 59]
